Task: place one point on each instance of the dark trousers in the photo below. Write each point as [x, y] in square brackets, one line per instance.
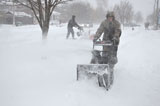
[110, 55]
[70, 30]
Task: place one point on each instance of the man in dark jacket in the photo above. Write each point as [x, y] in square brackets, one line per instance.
[72, 23]
[111, 30]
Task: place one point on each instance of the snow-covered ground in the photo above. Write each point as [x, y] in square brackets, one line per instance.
[43, 73]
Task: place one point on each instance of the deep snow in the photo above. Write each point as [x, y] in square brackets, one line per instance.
[43, 73]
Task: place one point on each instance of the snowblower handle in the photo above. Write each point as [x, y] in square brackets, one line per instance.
[102, 43]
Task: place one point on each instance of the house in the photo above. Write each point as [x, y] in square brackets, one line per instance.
[55, 18]
[10, 12]
[20, 18]
[6, 18]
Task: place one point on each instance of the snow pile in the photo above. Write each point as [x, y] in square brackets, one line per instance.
[43, 73]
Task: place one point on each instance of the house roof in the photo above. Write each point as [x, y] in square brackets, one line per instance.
[20, 14]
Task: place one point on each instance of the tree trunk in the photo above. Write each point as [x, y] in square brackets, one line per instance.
[45, 32]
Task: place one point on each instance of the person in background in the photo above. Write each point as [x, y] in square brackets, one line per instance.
[72, 23]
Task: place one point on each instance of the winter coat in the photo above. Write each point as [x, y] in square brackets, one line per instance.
[72, 23]
[111, 30]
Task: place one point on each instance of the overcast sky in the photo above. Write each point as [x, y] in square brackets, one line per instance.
[145, 6]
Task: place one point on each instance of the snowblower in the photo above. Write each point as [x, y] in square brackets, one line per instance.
[80, 31]
[100, 66]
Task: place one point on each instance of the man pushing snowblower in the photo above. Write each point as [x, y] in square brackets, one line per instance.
[103, 62]
[72, 23]
[111, 33]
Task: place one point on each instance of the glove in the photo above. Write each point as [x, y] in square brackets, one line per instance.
[115, 41]
[94, 40]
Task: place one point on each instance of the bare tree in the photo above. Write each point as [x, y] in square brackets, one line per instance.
[156, 13]
[84, 12]
[81, 10]
[124, 12]
[138, 17]
[42, 10]
[151, 19]
[102, 4]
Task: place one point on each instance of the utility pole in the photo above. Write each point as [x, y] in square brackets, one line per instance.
[156, 12]
[13, 12]
[157, 23]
